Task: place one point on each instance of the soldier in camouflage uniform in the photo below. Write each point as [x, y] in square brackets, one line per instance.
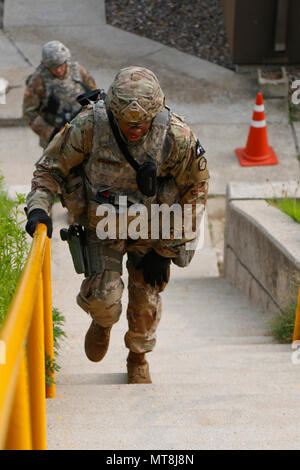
[56, 78]
[153, 134]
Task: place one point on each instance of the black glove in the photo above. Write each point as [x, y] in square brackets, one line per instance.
[38, 216]
[155, 268]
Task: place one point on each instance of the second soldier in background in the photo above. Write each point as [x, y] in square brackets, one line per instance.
[51, 92]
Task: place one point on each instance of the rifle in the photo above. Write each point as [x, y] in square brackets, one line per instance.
[69, 112]
[91, 96]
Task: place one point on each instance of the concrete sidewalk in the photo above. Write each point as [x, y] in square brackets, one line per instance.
[219, 381]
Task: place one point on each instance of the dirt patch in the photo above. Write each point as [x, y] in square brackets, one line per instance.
[196, 27]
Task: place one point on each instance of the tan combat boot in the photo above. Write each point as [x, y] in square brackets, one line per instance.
[96, 342]
[138, 369]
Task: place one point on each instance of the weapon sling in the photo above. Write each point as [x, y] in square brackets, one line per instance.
[146, 177]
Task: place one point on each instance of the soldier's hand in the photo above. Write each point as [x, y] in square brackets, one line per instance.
[38, 216]
[155, 268]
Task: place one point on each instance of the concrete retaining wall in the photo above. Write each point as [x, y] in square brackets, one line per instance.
[262, 246]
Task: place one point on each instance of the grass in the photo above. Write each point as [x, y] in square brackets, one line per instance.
[13, 253]
[13, 247]
[292, 113]
[282, 327]
[290, 206]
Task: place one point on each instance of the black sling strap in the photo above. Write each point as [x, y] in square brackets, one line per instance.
[146, 173]
[120, 142]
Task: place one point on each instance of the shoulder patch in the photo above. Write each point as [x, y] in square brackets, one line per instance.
[199, 149]
[202, 164]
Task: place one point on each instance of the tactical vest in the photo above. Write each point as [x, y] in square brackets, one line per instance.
[108, 170]
[65, 91]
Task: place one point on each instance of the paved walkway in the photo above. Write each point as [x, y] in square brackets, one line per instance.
[220, 382]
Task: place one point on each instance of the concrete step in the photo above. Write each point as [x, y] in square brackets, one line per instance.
[121, 399]
[166, 437]
[206, 381]
[149, 417]
[219, 381]
[263, 365]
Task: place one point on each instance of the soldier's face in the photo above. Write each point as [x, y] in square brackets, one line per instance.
[134, 132]
[60, 70]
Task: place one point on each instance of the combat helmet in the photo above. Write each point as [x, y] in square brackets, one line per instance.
[54, 54]
[135, 95]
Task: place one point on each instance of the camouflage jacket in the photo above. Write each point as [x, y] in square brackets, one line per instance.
[74, 145]
[39, 87]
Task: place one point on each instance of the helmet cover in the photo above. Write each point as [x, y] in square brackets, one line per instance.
[135, 96]
[54, 54]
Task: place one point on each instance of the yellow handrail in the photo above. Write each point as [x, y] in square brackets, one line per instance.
[27, 334]
[296, 336]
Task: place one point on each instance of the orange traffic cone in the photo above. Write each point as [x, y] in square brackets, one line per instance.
[257, 151]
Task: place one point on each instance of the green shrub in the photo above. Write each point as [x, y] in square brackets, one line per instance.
[282, 326]
[13, 253]
[58, 334]
[13, 247]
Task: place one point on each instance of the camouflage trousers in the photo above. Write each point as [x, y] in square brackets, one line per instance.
[100, 296]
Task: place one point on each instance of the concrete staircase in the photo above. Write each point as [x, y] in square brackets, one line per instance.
[219, 381]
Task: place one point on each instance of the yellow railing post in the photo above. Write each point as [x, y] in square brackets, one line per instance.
[48, 318]
[19, 431]
[28, 324]
[13, 332]
[36, 369]
[296, 336]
